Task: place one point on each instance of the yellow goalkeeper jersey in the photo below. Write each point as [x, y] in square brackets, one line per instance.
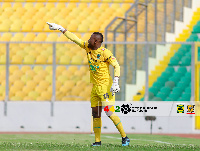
[98, 61]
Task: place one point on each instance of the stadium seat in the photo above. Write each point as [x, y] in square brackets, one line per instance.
[170, 84]
[16, 59]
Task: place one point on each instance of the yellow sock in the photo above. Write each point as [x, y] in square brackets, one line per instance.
[118, 124]
[97, 129]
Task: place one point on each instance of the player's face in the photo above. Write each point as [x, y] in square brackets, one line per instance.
[94, 42]
[91, 41]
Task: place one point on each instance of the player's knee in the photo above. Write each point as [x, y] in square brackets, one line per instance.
[109, 113]
[96, 114]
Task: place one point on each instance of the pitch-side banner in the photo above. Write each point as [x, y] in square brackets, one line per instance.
[154, 108]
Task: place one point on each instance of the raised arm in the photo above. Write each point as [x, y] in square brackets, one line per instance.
[68, 34]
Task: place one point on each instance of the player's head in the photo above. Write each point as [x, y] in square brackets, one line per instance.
[95, 40]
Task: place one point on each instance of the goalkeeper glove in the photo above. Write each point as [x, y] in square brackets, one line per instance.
[115, 86]
[53, 26]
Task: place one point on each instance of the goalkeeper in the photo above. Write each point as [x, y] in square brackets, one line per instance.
[103, 91]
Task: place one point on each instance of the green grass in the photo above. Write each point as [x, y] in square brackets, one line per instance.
[139, 142]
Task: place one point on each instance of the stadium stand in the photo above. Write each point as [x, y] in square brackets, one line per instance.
[32, 78]
[171, 80]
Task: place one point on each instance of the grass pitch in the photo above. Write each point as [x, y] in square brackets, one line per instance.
[139, 142]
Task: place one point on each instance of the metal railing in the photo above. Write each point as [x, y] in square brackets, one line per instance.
[120, 53]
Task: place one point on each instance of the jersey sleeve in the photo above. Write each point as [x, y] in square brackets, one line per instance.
[113, 61]
[75, 39]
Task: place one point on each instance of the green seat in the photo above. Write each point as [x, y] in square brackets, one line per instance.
[156, 99]
[186, 79]
[162, 79]
[189, 54]
[193, 37]
[157, 85]
[188, 75]
[188, 47]
[174, 79]
[169, 99]
[188, 90]
[182, 99]
[177, 74]
[177, 90]
[170, 84]
[196, 29]
[162, 95]
[142, 99]
[186, 96]
[174, 96]
[154, 90]
[166, 74]
[170, 69]
[186, 61]
[178, 55]
[165, 90]
[174, 61]
[183, 50]
[182, 85]
[182, 70]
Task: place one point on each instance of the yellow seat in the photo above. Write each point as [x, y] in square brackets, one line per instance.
[44, 84]
[38, 78]
[40, 37]
[33, 94]
[50, 6]
[83, 28]
[73, 68]
[76, 91]
[6, 4]
[29, 37]
[15, 98]
[39, 26]
[94, 28]
[13, 78]
[52, 37]
[77, 60]
[19, 84]
[27, 27]
[26, 78]
[61, 5]
[3, 59]
[126, 6]
[16, 59]
[30, 73]
[72, 27]
[28, 6]
[20, 94]
[38, 68]
[25, 68]
[115, 6]
[65, 60]
[39, 5]
[41, 59]
[29, 59]
[62, 38]
[46, 95]
[28, 88]
[17, 37]
[4, 27]
[12, 69]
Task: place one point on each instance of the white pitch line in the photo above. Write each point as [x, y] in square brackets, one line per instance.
[140, 140]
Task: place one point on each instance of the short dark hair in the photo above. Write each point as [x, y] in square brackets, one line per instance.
[98, 33]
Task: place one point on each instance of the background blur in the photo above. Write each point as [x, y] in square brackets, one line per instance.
[44, 78]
